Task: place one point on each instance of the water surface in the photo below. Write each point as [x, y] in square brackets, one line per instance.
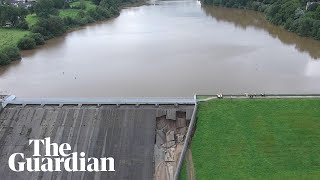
[169, 48]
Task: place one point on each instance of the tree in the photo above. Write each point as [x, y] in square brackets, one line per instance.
[109, 4]
[59, 4]
[96, 2]
[15, 16]
[317, 13]
[318, 35]
[12, 15]
[315, 28]
[82, 5]
[290, 14]
[38, 38]
[22, 24]
[304, 27]
[49, 27]
[26, 43]
[41, 30]
[4, 59]
[12, 53]
[45, 8]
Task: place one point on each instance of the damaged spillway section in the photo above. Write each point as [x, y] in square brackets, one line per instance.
[171, 130]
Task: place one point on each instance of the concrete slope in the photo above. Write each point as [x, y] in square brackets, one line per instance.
[126, 133]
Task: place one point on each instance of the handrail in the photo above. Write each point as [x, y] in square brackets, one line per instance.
[187, 139]
[128, 101]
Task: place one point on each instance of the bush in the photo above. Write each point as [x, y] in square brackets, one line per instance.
[66, 5]
[12, 53]
[115, 11]
[39, 29]
[318, 35]
[288, 24]
[23, 25]
[54, 25]
[304, 26]
[81, 13]
[38, 38]
[94, 14]
[80, 5]
[69, 21]
[58, 4]
[45, 8]
[83, 21]
[90, 19]
[315, 28]
[49, 27]
[4, 59]
[104, 12]
[27, 43]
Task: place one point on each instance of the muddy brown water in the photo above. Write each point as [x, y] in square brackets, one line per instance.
[169, 48]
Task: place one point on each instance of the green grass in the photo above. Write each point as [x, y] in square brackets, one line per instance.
[73, 13]
[183, 173]
[10, 37]
[31, 19]
[89, 4]
[257, 139]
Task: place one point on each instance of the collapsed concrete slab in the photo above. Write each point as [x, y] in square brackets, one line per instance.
[171, 129]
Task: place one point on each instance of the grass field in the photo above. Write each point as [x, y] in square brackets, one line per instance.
[88, 4]
[257, 139]
[73, 13]
[183, 173]
[31, 19]
[10, 37]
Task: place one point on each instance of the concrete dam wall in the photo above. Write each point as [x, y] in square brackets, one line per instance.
[144, 140]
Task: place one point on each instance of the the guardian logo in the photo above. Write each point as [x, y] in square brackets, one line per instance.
[64, 161]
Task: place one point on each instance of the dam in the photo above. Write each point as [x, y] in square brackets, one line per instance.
[144, 136]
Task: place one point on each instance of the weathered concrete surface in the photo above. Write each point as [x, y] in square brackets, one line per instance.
[126, 133]
[171, 130]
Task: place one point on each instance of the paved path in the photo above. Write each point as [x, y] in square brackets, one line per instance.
[258, 96]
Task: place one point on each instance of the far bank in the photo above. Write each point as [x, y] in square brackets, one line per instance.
[300, 17]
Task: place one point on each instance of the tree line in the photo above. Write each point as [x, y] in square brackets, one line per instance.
[291, 14]
[13, 16]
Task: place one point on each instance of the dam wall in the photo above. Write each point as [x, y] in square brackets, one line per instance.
[145, 139]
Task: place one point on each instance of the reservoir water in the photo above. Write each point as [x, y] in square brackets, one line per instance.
[166, 49]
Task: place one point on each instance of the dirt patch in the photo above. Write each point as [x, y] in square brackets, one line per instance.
[190, 167]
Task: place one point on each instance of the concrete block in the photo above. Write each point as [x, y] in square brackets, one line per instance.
[170, 136]
[170, 155]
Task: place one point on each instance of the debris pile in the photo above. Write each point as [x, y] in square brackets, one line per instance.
[171, 129]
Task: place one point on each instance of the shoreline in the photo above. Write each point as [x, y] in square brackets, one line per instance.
[72, 29]
[283, 25]
[125, 6]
